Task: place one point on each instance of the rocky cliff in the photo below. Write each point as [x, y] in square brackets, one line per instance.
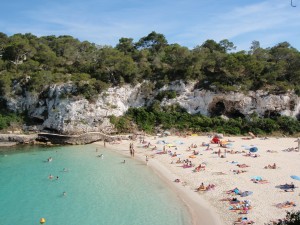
[57, 109]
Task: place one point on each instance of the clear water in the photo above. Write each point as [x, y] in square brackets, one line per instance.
[98, 191]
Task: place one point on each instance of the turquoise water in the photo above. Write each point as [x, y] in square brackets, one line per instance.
[98, 191]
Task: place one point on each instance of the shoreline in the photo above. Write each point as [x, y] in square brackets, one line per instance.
[199, 209]
[220, 171]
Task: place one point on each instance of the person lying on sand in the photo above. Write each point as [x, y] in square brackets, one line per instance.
[274, 166]
[259, 181]
[242, 165]
[234, 191]
[272, 151]
[210, 187]
[243, 221]
[239, 171]
[199, 168]
[286, 204]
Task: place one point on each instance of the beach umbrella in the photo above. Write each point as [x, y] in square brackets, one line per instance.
[295, 177]
[253, 149]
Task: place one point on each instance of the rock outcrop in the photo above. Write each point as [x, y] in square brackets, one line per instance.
[57, 109]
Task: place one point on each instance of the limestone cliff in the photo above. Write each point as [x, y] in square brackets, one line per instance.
[58, 109]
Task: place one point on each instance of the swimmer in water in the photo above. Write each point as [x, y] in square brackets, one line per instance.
[64, 193]
[65, 170]
[50, 177]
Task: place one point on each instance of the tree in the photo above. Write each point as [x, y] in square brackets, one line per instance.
[255, 45]
[17, 50]
[153, 41]
[227, 45]
[3, 42]
[212, 46]
[126, 46]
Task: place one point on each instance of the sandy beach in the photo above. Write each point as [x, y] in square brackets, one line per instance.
[225, 171]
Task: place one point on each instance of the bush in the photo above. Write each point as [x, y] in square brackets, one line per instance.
[291, 218]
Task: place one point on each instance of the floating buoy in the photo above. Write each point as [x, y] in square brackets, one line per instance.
[42, 220]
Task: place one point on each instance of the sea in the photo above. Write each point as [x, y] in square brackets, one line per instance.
[90, 185]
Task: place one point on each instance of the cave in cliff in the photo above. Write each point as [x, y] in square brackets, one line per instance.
[219, 108]
[271, 114]
[235, 114]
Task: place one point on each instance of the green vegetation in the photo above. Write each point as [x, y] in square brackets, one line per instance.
[36, 62]
[291, 218]
[174, 117]
[93, 68]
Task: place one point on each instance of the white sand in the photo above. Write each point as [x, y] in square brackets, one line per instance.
[208, 204]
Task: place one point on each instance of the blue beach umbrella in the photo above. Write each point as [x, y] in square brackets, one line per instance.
[295, 177]
[253, 149]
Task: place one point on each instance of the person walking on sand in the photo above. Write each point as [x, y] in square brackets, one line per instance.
[147, 160]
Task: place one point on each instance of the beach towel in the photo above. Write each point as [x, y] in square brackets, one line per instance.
[246, 193]
[256, 178]
[295, 177]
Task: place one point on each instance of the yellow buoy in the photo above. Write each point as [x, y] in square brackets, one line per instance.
[42, 220]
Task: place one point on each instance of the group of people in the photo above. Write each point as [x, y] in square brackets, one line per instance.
[131, 150]
[274, 166]
[209, 187]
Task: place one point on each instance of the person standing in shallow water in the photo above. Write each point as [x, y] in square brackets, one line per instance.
[130, 149]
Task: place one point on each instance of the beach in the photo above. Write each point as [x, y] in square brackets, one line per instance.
[266, 186]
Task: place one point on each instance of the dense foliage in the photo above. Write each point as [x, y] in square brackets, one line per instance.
[34, 62]
[291, 218]
[93, 68]
[174, 117]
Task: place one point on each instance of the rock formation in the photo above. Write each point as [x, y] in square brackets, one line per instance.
[58, 109]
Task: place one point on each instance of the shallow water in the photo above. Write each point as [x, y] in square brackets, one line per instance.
[98, 191]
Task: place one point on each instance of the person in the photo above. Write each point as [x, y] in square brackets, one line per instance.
[57, 177]
[124, 161]
[201, 187]
[65, 170]
[50, 176]
[49, 159]
[64, 193]
[147, 160]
